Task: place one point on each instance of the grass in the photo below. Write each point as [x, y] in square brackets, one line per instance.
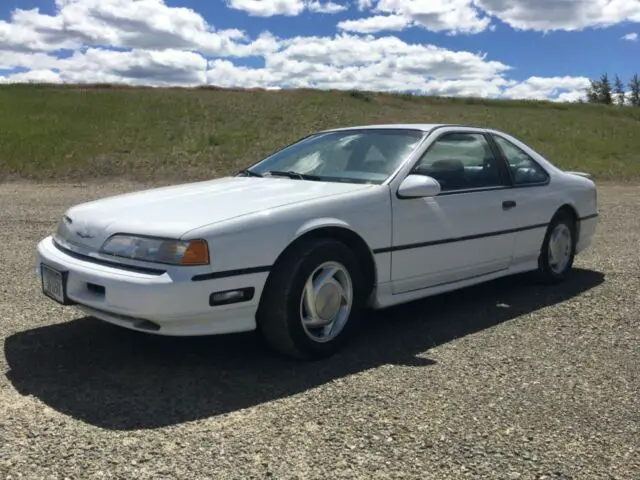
[101, 131]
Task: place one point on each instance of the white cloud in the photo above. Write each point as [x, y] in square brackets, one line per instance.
[452, 16]
[10, 60]
[32, 76]
[116, 23]
[404, 58]
[291, 8]
[364, 4]
[387, 64]
[474, 16]
[96, 65]
[327, 7]
[146, 42]
[390, 65]
[166, 67]
[268, 8]
[630, 37]
[568, 15]
[377, 23]
[540, 88]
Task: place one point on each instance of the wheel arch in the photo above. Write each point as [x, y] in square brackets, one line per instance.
[340, 231]
[570, 210]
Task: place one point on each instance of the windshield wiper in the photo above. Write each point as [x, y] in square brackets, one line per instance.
[292, 174]
[249, 173]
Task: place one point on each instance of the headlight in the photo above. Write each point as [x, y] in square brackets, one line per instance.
[62, 231]
[158, 250]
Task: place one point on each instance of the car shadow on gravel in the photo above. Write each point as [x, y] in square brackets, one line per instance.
[123, 380]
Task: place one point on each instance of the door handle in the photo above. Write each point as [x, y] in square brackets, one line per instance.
[507, 204]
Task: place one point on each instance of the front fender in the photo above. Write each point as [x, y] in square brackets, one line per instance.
[321, 223]
[258, 240]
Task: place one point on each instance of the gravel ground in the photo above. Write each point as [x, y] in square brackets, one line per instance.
[514, 382]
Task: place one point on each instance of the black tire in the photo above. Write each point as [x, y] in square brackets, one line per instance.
[545, 273]
[279, 318]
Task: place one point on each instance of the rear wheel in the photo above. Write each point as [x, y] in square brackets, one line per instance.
[313, 299]
[558, 249]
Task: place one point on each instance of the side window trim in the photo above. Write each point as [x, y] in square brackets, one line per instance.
[503, 164]
[506, 163]
[501, 159]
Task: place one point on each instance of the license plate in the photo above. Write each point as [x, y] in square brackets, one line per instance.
[53, 284]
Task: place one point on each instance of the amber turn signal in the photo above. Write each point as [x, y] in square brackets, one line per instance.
[197, 253]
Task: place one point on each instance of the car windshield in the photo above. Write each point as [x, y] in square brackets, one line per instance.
[360, 156]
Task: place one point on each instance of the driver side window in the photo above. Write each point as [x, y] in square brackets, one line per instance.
[461, 161]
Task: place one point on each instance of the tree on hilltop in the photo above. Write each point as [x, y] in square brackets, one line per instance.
[604, 95]
[618, 89]
[634, 88]
[600, 91]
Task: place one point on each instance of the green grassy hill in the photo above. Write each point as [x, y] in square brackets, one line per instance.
[81, 133]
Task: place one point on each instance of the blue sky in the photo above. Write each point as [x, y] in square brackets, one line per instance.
[497, 48]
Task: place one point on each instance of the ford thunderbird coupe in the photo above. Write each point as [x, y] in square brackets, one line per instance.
[298, 244]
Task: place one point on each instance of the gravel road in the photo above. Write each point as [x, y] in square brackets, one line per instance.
[505, 380]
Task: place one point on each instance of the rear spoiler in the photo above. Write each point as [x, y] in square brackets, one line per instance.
[581, 174]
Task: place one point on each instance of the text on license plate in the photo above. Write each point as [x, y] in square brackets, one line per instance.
[52, 283]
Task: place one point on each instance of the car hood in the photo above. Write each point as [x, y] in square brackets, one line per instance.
[173, 211]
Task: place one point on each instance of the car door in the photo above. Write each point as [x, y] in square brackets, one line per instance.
[462, 233]
[536, 201]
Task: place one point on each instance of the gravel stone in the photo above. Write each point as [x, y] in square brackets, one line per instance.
[506, 380]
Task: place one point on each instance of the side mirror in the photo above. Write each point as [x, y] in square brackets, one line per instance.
[418, 186]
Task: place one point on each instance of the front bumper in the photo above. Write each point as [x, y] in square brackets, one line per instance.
[169, 303]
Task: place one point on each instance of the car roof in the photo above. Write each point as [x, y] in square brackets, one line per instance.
[425, 127]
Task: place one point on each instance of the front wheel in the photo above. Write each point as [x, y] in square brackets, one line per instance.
[312, 301]
[558, 249]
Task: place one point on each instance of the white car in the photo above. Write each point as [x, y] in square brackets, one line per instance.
[298, 244]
